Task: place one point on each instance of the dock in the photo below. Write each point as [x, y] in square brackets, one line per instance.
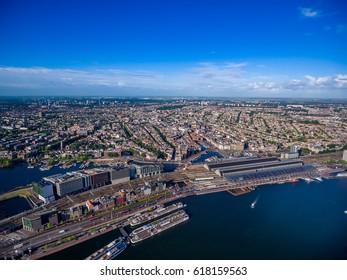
[240, 191]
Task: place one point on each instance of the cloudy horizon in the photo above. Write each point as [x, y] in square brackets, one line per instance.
[219, 48]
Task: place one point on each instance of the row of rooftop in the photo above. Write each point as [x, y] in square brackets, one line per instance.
[168, 130]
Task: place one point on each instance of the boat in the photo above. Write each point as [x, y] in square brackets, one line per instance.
[319, 179]
[158, 226]
[110, 251]
[254, 203]
[44, 168]
[158, 212]
[345, 211]
[342, 174]
[295, 181]
[308, 180]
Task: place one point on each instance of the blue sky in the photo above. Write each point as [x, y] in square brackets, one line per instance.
[186, 48]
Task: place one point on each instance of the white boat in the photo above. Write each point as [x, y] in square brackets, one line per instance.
[308, 180]
[319, 179]
[345, 211]
[254, 203]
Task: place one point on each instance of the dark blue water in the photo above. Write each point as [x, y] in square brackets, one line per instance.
[13, 206]
[290, 221]
[11, 178]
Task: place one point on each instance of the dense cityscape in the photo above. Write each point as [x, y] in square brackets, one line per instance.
[62, 130]
[130, 155]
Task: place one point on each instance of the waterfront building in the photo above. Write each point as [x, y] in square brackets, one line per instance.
[147, 170]
[99, 177]
[66, 184]
[87, 179]
[212, 166]
[249, 165]
[119, 175]
[44, 190]
[38, 221]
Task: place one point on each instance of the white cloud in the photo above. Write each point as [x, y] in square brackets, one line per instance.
[333, 81]
[295, 84]
[309, 13]
[341, 81]
[263, 85]
[204, 77]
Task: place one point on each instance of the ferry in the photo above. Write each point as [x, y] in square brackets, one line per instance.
[110, 251]
[158, 212]
[158, 226]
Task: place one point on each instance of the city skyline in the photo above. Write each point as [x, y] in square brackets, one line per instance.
[147, 48]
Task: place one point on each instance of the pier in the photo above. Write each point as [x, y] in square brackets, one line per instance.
[123, 232]
[240, 191]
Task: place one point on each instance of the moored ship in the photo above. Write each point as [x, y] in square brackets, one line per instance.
[308, 180]
[158, 226]
[110, 251]
[342, 174]
[160, 211]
